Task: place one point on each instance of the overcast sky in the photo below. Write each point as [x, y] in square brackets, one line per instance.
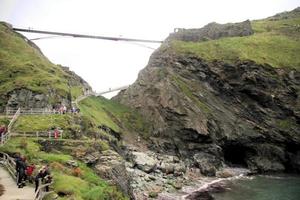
[109, 64]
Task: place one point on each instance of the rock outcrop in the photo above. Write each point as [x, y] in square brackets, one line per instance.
[213, 31]
[214, 113]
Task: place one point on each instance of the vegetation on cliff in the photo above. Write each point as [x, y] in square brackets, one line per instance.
[80, 131]
[78, 183]
[118, 117]
[275, 42]
[220, 98]
[23, 66]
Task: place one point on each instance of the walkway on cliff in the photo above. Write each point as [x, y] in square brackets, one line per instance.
[12, 192]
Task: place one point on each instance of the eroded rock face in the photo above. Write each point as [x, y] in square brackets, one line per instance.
[242, 114]
[110, 165]
[27, 99]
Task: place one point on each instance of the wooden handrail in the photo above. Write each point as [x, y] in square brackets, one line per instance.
[10, 164]
[41, 193]
[6, 136]
[32, 111]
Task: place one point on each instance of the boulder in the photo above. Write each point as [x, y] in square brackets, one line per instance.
[207, 163]
[72, 163]
[144, 162]
[110, 165]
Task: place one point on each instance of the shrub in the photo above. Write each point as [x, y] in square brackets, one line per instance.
[23, 143]
[77, 172]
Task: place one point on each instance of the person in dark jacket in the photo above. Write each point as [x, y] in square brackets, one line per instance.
[44, 174]
[20, 168]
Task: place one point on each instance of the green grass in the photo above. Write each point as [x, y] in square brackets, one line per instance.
[85, 186]
[32, 123]
[4, 121]
[93, 109]
[276, 43]
[112, 114]
[187, 91]
[76, 91]
[23, 66]
[286, 124]
[69, 185]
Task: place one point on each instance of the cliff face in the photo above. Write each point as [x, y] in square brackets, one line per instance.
[29, 79]
[213, 112]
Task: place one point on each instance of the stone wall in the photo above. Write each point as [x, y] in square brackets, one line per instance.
[213, 31]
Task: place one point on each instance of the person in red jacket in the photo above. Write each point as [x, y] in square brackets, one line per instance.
[29, 171]
[56, 133]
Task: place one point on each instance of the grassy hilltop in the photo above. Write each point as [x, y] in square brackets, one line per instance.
[275, 41]
[23, 66]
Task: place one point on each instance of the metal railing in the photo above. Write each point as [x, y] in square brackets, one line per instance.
[10, 164]
[6, 136]
[32, 111]
[39, 134]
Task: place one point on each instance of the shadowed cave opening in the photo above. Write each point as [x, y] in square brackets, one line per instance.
[235, 155]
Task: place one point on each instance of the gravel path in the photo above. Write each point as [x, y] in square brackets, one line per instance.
[12, 192]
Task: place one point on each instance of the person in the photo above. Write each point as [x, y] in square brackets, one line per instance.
[17, 158]
[73, 109]
[2, 132]
[20, 168]
[43, 174]
[64, 109]
[2, 129]
[56, 133]
[29, 171]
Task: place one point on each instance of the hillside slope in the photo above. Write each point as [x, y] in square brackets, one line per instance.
[29, 79]
[274, 41]
[221, 95]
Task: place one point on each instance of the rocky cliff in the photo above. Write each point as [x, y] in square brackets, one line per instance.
[28, 79]
[227, 101]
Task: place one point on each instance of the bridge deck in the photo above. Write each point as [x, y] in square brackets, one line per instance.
[12, 192]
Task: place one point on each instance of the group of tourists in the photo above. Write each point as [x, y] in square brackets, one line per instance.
[75, 110]
[62, 109]
[26, 172]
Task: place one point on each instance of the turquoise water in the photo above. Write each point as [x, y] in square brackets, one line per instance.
[285, 187]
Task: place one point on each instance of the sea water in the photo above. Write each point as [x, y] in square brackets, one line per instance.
[264, 187]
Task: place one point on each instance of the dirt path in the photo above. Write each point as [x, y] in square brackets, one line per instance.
[11, 191]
